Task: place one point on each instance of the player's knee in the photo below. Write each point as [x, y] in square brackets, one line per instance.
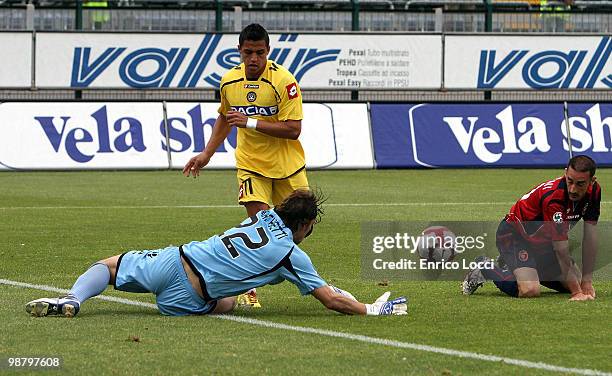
[225, 305]
[255, 207]
[529, 290]
[111, 264]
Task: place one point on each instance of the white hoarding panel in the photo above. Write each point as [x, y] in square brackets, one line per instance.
[333, 136]
[528, 62]
[352, 133]
[16, 60]
[82, 136]
[190, 126]
[323, 61]
[38, 136]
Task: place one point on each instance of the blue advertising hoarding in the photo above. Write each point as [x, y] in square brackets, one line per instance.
[489, 135]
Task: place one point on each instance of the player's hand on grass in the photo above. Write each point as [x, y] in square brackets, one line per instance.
[578, 297]
[236, 119]
[587, 288]
[384, 307]
[195, 164]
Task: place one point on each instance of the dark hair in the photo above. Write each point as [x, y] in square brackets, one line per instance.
[583, 163]
[301, 206]
[254, 32]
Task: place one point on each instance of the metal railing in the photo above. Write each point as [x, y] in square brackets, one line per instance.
[305, 15]
[314, 95]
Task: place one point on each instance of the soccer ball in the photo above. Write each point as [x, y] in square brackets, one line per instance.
[437, 243]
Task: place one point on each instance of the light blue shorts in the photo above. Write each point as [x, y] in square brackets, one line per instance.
[161, 272]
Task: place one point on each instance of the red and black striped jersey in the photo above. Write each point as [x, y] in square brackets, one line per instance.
[547, 213]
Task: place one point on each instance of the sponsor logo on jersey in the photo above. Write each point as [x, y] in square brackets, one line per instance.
[523, 256]
[292, 91]
[251, 96]
[251, 86]
[558, 217]
[256, 110]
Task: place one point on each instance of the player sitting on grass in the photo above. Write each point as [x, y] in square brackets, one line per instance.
[205, 276]
[533, 238]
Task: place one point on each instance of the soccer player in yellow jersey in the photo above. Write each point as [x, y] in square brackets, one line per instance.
[263, 100]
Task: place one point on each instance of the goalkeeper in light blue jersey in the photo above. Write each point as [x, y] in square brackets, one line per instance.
[204, 277]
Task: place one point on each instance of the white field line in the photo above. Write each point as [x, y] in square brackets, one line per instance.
[366, 204]
[348, 336]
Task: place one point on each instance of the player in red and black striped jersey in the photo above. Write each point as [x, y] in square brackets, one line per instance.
[533, 237]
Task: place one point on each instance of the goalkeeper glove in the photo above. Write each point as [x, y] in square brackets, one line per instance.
[382, 307]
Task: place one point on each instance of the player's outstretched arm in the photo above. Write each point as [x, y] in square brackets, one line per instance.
[340, 303]
[589, 254]
[219, 134]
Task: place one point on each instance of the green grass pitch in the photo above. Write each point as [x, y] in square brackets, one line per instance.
[53, 225]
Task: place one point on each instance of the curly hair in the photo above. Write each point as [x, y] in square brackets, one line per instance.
[301, 206]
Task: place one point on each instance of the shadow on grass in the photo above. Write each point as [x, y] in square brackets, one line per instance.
[545, 293]
[117, 311]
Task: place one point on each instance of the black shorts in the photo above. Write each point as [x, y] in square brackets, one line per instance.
[517, 252]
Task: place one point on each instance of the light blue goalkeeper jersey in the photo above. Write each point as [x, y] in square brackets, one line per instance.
[259, 251]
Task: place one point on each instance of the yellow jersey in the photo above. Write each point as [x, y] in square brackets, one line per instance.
[274, 97]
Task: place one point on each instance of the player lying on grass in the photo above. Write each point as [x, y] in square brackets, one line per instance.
[205, 276]
[533, 238]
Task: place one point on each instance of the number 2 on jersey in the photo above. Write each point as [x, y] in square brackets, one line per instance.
[248, 242]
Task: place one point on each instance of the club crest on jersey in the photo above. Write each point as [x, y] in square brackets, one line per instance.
[523, 256]
[256, 110]
[251, 96]
[292, 91]
[558, 217]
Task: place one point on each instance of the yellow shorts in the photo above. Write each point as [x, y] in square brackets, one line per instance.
[255, 187]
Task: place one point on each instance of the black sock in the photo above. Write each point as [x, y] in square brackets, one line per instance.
[503, 279]
[554, 285]
[509, 287]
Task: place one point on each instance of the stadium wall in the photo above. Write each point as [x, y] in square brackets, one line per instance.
[159, 135]
[489, 134]
[59, 60]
